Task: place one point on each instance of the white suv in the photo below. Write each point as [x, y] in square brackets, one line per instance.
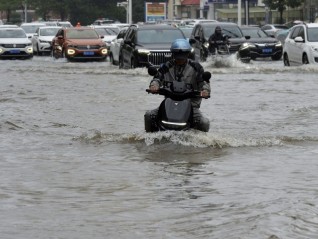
[301, 45]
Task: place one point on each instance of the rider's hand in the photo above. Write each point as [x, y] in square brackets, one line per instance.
[205, 94]
[164, 68]
[154, 87]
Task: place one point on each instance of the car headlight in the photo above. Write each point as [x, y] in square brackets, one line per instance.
[246, 45]
[104, 51]
[29, 50]
[70, 51]
[206, 44]
[1, 50]
[278, 44]
[143, 51]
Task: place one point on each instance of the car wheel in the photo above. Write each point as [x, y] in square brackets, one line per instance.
[286, 60]
[133, 63]
[111, 59]
[38, 50]
[305, 59]
[246, 60]
[121, 62]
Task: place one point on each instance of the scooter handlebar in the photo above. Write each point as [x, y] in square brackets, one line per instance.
[166, 92]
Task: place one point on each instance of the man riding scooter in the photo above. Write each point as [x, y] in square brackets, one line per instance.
[181, 68]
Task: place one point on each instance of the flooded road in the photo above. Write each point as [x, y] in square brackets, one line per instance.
[76, 162]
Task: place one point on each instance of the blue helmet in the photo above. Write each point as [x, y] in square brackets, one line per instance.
[180, 46]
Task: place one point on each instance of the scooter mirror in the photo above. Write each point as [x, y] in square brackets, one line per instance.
[152, 70]
[206, 76]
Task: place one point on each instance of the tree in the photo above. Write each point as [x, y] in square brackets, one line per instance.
[84, 11]
[281, 5]
[9, 7]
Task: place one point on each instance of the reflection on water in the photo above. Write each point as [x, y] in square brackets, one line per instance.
[77, 163]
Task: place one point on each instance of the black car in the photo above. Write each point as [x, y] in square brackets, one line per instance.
[148, 44]
[259, 45]
[201, 33]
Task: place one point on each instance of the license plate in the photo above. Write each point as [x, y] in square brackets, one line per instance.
[15, 51]
[267, 50]
[88, 53]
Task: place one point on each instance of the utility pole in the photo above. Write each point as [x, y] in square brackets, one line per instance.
[247, 12]
[130, 11]
[25, 11]
[201, 8]
[239, 12]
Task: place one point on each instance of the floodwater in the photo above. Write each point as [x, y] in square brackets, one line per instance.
[76, 162]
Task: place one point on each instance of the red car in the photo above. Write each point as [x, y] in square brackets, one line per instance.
[79, 43]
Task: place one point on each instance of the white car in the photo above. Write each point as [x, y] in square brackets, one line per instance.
[270, 29]
[31, 27]
[14, 44]
[115, 46]
[65, 24]
[108, 32]
[301, 45]
[42, 39]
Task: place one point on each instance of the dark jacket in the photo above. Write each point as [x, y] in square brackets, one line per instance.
[190, 73]
[216, 39]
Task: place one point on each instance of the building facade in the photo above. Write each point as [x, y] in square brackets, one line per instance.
[258, 13]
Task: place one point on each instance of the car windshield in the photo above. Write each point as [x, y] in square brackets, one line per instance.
[230, 31]
[313, 34]
[107, 31]
[31, 28]
[48, 31]
[82, 34]
[186, 31]
[158, 36]
[12, 33]
[254, 32]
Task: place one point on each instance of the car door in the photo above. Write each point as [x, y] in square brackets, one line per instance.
[299, 46]
[115, 45]
[195, 42]
[292, 46]
[127, 46]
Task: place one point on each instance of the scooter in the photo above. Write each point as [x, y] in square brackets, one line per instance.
[57, 52]
[222, 49]
[175, 111]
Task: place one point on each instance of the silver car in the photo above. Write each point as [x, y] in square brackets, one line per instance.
[115, 46]
[108, 32]
[42, 39]
[15, 44]
[30, 27]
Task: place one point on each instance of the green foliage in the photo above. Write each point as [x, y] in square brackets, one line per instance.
[84, 11]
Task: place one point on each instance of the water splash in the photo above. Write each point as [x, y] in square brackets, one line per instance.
[192, 138]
